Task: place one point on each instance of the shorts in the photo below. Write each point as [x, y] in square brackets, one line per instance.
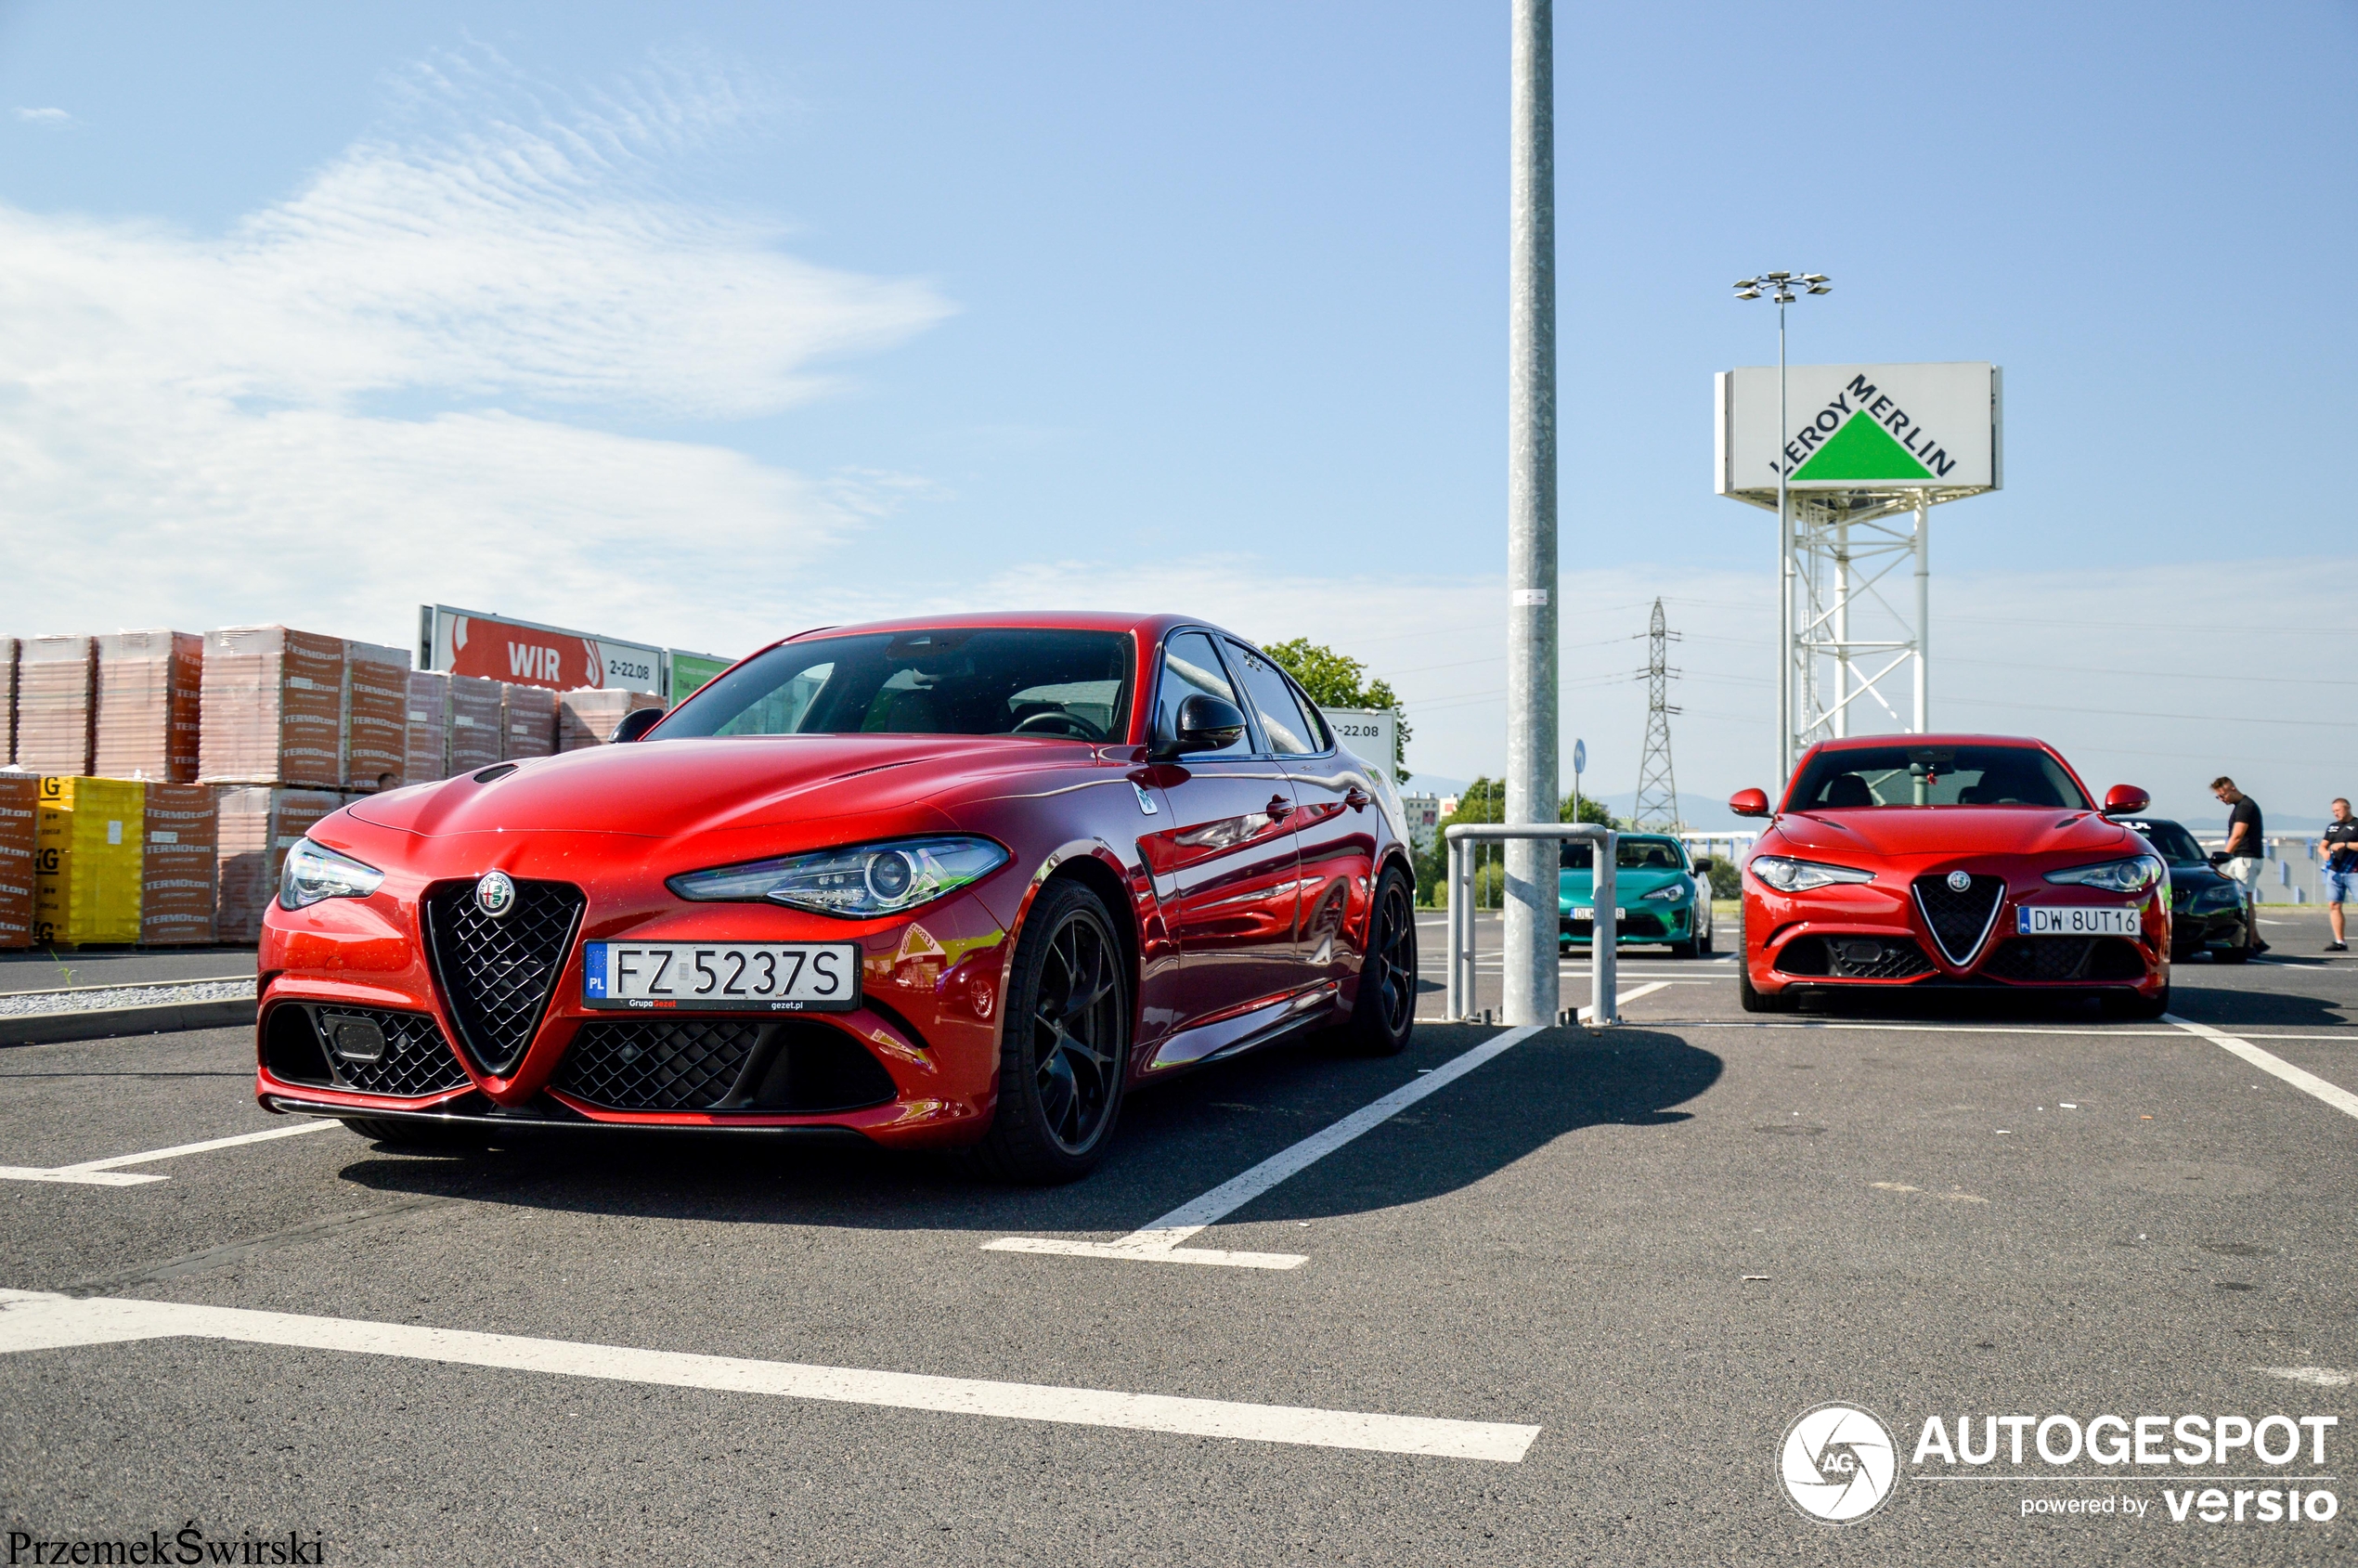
[2243, 868]
[2342, 887]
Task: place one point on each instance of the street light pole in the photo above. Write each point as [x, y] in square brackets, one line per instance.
[1529, 893]
[1782, 285]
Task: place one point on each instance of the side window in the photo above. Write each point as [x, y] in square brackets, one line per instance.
[1289, 734]
[1321, 738]
[1191, 668]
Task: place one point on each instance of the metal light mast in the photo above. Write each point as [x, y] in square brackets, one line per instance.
[1782, 285]
[1658, 785]
[1530, 892]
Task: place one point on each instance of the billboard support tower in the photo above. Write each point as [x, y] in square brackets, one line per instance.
[1530, 946]
[1854, 458]
[1658, 785]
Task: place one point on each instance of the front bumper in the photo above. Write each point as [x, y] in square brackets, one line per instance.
[1871, 936]
[1673, 922]
[914, 1065]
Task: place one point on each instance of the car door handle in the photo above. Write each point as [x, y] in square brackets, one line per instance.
[1356, 799]
[1279, 807]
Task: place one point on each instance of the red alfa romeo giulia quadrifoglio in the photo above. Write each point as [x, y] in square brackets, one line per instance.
[949, 882]
[1928, 861]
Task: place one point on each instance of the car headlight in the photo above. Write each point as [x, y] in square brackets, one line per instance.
[314, 871]
[2210, 901]
[1798, 876]
[858, 882]
[1664, 895]
[2132, 875]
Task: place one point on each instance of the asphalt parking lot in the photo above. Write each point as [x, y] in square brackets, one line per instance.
[1657, 1245]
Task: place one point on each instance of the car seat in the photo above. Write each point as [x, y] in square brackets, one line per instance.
[1849, 790]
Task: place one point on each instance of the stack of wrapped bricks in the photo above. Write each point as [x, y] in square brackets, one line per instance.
[20, 802]
[147, 706]
[160, 778]
[54, 676]
[86, 834]
[273, 748]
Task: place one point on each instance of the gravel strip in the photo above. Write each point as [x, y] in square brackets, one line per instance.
[91, 999]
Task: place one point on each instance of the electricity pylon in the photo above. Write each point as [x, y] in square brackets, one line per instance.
[1657, 786]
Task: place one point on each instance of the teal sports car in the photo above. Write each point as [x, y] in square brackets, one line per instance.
[1661, 894]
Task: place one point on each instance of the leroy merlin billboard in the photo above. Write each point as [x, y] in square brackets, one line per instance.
[1859, 427]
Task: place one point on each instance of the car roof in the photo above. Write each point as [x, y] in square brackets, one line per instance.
[1862, 743]
[1151, 625]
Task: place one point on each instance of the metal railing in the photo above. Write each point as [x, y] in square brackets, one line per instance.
[1603, 972]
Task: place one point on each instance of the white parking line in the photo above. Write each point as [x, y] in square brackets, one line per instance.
[32, 1320]
[105, 1172]
[2340, 1098]
[1157, 1242]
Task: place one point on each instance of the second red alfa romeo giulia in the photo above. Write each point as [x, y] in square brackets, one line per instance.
[947, 882]
[1931, 861]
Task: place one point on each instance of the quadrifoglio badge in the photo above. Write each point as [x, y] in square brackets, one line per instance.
[1839, 1464]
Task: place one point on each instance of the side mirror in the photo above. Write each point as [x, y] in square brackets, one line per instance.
[1748, 803]
[1702, 864]
[637, 723]
[2125, 797]
[1207, 724]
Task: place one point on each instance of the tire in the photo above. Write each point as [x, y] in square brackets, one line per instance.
[1385, 1014]
[1690, 948]
[1703, 942]
[2133, 1006]
[1756, 1001]
[418, 1135]
[2231, 955]
[1060, 1091]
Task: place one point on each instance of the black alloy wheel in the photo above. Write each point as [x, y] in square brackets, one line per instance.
[1064, 1041]
[1385, 1014]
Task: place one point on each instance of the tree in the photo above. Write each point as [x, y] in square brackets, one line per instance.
[1334, 681]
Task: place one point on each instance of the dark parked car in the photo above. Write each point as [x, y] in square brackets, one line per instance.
[2208, 911]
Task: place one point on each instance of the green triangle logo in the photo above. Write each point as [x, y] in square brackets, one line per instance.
[1862, 449]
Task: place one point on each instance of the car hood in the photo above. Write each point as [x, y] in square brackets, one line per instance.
[666, 789]
[1626, 884]
[1904, 832]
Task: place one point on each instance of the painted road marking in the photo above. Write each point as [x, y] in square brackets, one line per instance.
[106, 1172]
[1157, 1242]
[2310, 1083]
[32, 1320]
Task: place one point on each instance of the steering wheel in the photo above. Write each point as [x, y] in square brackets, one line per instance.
[1057, 722]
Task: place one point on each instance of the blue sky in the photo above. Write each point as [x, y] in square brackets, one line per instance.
[700, 323]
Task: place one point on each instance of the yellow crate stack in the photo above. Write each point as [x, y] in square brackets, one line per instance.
[87, 849]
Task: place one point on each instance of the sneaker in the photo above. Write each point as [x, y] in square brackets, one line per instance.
[2336, 947]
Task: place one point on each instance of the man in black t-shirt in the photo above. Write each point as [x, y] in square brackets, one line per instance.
[2241, 858]
[2340, 876]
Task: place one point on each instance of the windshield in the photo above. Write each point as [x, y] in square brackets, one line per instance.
[1859, 777]
[2171, 842]
[1629, 854]
[956, 680]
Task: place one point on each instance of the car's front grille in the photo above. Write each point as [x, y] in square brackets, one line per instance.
[368, 1050]
[2059, 960]
[796, 1066]
[1637, 923]
[684, 1064]
[1959, 918]
[497, 971]
[1853, 958]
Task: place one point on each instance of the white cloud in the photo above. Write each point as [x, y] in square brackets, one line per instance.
[44, 116]
[379, 390]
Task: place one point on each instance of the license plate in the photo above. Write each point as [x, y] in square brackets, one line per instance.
[2077, 920]
[1582, 912]
[721, 976]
